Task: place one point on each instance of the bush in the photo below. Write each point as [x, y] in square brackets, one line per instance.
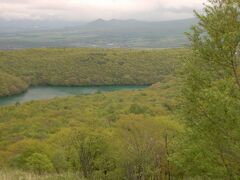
[137, 109]
[39, 163]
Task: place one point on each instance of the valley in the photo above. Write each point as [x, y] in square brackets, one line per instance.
[97, 116]
[126, 97]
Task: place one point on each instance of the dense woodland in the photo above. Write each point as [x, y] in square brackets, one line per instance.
[74, 67]
[11, 84]
[186, 126]
[114, 135]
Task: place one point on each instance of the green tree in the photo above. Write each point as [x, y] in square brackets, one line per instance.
[39, 163]
[145, 147]
[93, 153]
[59, 161]
[211, 94]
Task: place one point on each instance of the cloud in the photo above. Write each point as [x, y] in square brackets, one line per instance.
[91, 9]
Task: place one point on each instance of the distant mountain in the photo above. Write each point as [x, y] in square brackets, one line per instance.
[14, 26]
[135, 23]
[99, 33]
[114, 23]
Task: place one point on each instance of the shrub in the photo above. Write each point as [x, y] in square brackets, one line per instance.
[39, 163]
[137, 109]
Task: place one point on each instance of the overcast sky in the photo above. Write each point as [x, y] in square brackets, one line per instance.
[86, 10]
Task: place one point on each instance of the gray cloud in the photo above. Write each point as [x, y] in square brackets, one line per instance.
[76, 10]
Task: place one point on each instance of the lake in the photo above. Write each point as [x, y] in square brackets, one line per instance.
[48, 92]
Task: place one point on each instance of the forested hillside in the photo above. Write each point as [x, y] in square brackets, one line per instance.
[11, 84]
[103, 136]
[82, 67]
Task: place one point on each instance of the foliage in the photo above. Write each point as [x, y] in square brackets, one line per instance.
[82, 67]
[92, 152]
[211, 95]
[137, 109]
[76, 134]
[39, 163]
[11, 84]
[146, 146]
[84, 134]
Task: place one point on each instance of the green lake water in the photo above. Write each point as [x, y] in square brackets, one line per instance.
[49, 92]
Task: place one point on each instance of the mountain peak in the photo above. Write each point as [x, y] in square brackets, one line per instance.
[99, 20]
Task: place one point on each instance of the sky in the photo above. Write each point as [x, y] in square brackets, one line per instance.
[86, 10]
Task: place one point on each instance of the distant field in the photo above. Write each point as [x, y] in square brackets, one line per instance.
[20, 69]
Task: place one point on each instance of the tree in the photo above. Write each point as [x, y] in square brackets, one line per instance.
[94, 157]
[59, 161]
[39, 163]
[211, 94]
[145, 147]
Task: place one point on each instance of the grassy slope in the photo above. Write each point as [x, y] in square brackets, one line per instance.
[86, 67]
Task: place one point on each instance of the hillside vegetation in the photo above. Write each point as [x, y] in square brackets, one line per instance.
[11, 84]
[84, 67]
[114, 135]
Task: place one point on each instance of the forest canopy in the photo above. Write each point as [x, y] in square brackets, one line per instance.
[85, 67]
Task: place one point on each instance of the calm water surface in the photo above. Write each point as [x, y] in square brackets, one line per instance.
[39, 93]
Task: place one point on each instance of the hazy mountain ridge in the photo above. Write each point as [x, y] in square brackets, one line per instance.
[15, 26]
[100, 33]
[133, 22]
